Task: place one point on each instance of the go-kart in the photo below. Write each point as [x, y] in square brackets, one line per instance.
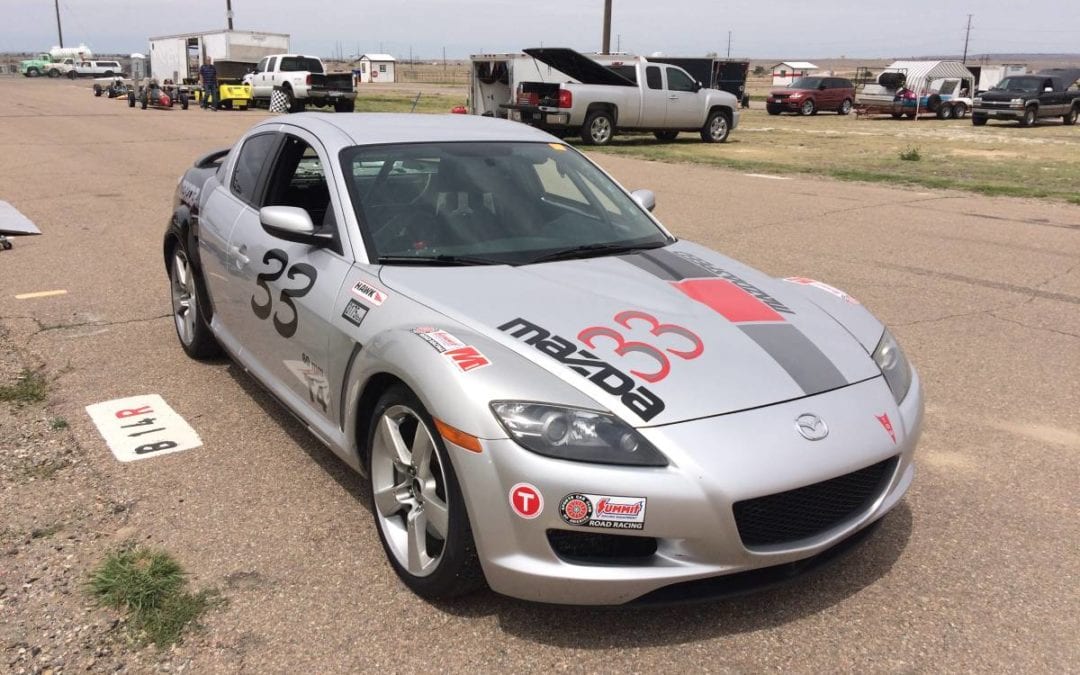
[117, 88]
[159, 96]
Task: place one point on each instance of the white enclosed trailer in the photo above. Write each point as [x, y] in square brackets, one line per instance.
[177, 57]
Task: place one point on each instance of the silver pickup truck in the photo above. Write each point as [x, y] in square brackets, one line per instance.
[621, 94]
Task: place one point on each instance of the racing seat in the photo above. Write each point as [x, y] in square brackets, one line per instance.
[466, 211]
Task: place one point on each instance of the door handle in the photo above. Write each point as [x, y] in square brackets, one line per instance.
[673, 97]
[237, 253]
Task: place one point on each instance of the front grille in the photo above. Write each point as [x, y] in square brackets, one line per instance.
[804, 512]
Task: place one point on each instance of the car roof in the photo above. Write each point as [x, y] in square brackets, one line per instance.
[380, 128]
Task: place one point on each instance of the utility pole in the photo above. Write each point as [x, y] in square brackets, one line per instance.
[59, 30]
[729, 44]
[228, 13]
[967, 37]
[607, 27]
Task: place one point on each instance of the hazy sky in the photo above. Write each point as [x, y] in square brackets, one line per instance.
[761, 28]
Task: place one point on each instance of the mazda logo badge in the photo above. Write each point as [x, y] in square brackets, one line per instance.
[811, 427]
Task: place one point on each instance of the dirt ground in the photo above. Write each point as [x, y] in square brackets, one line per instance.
[975, 571]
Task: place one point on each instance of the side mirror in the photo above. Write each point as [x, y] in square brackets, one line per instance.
[292, 224]
[645, 199]
[698, 87]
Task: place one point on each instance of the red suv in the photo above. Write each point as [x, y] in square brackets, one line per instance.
[808, 95]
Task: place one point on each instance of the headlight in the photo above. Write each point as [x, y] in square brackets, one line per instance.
[575, 434]
[977, 101]
[894, 366]
[1017, 102]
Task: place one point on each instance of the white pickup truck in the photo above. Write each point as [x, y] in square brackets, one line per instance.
[622, 94]
[288, 82]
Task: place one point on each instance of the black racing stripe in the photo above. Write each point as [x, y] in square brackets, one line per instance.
[677, 267]
[796, 354]
[639, 260]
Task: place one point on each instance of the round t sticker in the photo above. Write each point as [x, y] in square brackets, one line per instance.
[526, 501]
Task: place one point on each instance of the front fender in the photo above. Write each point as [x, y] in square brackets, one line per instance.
[844, 309]
[457, 391]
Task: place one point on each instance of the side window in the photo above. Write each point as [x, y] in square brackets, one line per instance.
[271, 66]
[652, 77]
[262, 66]
[253, 156]
[382, 68]
[299, 180]
[677, 80]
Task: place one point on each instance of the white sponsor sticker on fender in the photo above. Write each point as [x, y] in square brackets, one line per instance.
[803, 281]
[369, 293]
[139, 427]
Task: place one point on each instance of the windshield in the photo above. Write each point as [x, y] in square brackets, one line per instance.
[1024, 84]
[485, 203]
[297, 64]
[806, 83]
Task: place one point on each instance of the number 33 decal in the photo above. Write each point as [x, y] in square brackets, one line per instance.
[624, 346]
[284, 328]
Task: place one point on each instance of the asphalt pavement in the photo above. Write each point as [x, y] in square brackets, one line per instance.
[976, 570]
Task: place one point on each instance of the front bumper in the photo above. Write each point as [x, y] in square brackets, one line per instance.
[998, 113]
[785, 104]
[688, 506]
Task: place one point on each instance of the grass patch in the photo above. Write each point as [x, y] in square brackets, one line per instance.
[151, 587]
[58, 423]
[30, 387]
[910, 155]
[403, 103]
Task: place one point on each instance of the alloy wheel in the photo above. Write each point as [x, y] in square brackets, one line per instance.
[184, 300]
[409, 489]
[600, 130]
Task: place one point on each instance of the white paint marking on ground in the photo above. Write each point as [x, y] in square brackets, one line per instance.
[40, 294]
[765, 175]
[139, 427]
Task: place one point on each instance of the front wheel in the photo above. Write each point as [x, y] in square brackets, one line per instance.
[978, 120]
[345, 106]
[183, 101]
[666, 136]
[33, 72]
[598, 129]
[131, 99]
[53, 72]
[717, 127]
[808, 107]
[845, 107]
[417, 502]
[1070, 117]
[1030, 115]
[773, 108]
[191, 327]
[98, 90]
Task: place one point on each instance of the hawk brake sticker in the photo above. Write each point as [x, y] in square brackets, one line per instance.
[370, 293]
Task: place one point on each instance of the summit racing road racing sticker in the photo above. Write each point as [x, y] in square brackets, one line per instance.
[465, 357]
[831, 290]
[139, 427]
[370, 293]
[603, 511]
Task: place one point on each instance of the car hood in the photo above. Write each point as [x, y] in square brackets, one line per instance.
[1005, 95]
[788, 92]
[657, 337]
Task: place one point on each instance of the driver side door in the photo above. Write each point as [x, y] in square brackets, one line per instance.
[285, 297]
[684, 109]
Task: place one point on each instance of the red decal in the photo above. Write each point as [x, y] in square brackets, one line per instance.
[133, 412]
[467, 358]
[526, 501]
[727, 299]
[605, 507]
[884, 419]
[624, 346]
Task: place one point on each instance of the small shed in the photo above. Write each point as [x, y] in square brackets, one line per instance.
[786, 72]
[377, 68]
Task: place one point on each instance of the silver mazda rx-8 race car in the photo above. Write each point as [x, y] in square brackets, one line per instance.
[547, 391]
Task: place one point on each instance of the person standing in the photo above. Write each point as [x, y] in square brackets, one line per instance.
[208, 76]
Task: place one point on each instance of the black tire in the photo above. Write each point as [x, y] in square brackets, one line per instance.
[773, 109]
[1069, 118]
[717, 127]
[1031, 115]
[897, 116]
[808, 107]
[458, 570]
[131, 99]
[933, 103]
[72, 75]
[978, 120]
[598, 129]
[98, 90]
[910, 115]
[960, 111]
[666, 136]
[54, 73]
[845, 107]
[183, 101]
[33, 72]
[144, 101]
[295, 105]
[944, 112]
[108, 73]
[199, 343]
[345, 106]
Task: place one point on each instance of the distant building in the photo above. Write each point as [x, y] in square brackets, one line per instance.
[377, 68]
[786, 72]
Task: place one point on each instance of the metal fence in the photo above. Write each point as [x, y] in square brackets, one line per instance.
[432, 75]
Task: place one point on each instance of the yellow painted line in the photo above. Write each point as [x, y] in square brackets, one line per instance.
[40, 294]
